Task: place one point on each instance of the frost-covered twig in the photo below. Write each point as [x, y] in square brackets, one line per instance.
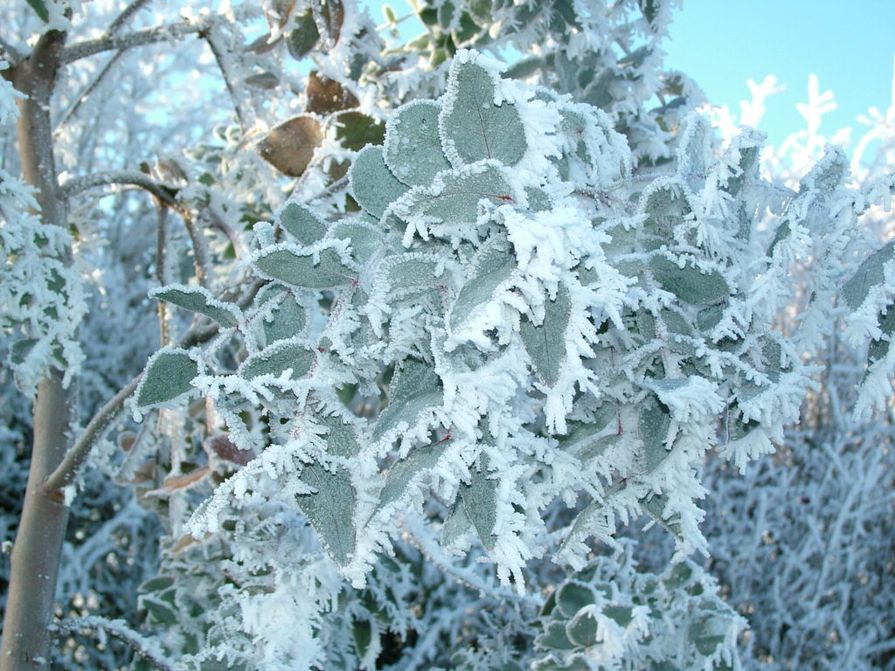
[163, 33]
[146, 648]
[126, 14]
[215, 39]
[119, 177]
[8, 52]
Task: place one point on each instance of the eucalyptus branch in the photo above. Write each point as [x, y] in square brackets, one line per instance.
[90, 88]
[214, 38]
[126, 15]
[146, 648]
[161, 191]
[109, 42]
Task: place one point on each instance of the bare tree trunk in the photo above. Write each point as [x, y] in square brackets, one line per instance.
[38, 546]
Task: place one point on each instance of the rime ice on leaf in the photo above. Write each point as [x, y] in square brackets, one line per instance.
[452, 201]
[473, 126]
[365, 238]
[689, 283]
[416, 464]
[480, 503]
[412, 144]
[286, 320]
[277, 358]
[492, 267]
[868, 275]
[198, 299]
[414, 389]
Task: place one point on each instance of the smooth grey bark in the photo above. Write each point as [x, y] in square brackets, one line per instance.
[38, 545]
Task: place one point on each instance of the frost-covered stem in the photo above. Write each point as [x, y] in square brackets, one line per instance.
[216, 42]
[163, 33]
[200, 249]
[144, 647]
[90, 88]
[161, 262]
[126, 14]
[38, 546]
[65, 472]
[120, 177]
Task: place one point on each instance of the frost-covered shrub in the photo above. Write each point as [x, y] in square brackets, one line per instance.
[517, 342]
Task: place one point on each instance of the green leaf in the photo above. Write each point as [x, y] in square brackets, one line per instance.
[40, 8]
[456, 525]
[303, 37]
[621, 614]
[410, 274]
[355, 130]
[365, 238]
[404, 471]
[362, 632]
[341, 438]
[276, 358]
[415, 388]
[20, 349]
[412, 145]
[582, 629]
[480, 503]
[690, 284]
[199, 299]
[653, 426]
[302, 224]
[869, 274]
[373, 185]
[167, 377]
[296, 267]
[330, 510]
[472, 126]
[546, 342]
[286, 320]
[554, 637]
[493, 266]
[574, 595]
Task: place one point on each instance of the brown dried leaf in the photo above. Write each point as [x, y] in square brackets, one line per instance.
[326, 96]
[331, 15]
[221, 446]
[186, 480]
[290, 146]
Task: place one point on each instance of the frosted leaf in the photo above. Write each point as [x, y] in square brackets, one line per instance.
[473, 127]
[480, 503]
[456, 525]
[365, 238]
[538, 200]
[373, 185]
[341, 439]
[653, 426]
[574, 595]
[412, 144]
[302, 224]
[298, 267]
[869, 274]
[546, 342]
[277, 358]
[415, 388]
[493, 267]
[407, 274]
[199, 299]
[554, 637]
[330, 510]
[690, 284]
[419, 461]
[453, 199]
[879, 348]
[582, 629]
[167, 377]
[287, 319]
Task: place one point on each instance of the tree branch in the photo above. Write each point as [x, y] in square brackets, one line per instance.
[146, 648]
[90, 88]
[77, 185]
[163, 33]
[215, 38]
[126, 14]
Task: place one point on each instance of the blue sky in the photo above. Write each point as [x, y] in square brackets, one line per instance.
[849, 45]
